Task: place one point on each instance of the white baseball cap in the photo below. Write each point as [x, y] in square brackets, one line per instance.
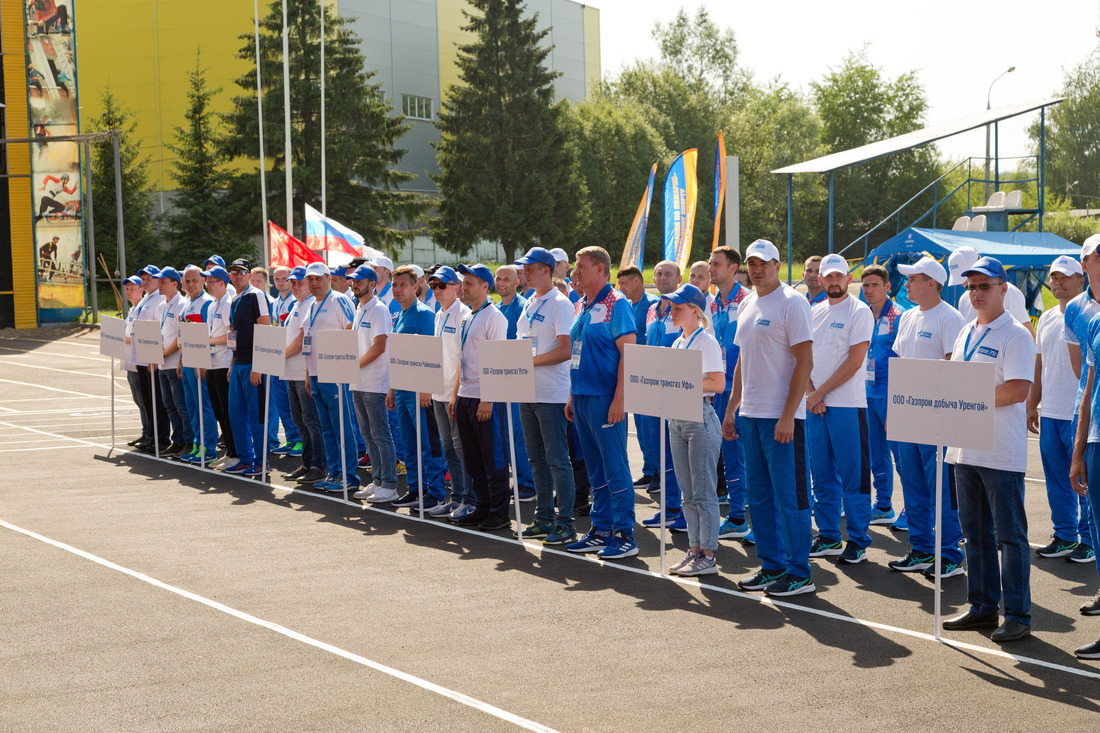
[418, 270]
[383, 261]
[1090, 245]
[833, 263]
[559, 255]
[926, 266]
[959, 262]
[1066, 266]
[762, 249]
[320, 269]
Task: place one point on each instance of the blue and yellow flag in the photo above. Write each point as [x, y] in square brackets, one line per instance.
[681, 193]
[719, 185]
[634, 250]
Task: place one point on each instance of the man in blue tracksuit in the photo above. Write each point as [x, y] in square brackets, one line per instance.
[249, 308]
[632, 285]
[602, 327]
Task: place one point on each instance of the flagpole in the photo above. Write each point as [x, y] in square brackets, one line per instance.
[324, 209]
[286, 127]
[260, 117]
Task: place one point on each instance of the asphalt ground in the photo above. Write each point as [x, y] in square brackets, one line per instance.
[140, 594]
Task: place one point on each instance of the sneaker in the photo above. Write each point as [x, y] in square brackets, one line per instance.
[312, 476]
[654, 522]
[296, 473]
[280, 450]
[679, 523]
[730, 529]
[749, 539]
[700, 565]
[654, 486]
[327, 481]
[407, 499]
[684, 561]
[1088, 651]
[401, 468]
[947, 570]
[536, 530]
[474, 518]
[1057, 548]
[643, 481]
[592, 541]
[853, 554]
[175, 450]
[461, 512]
[495, 522]
[526, 494]
[337, 486]
[912, 562]
[561, 535]
[1091, 608]
[618, 547]
[255, 469]
[882, 516]
[1083, 553]
[364, 462]
[383, 496]
[443, 509]
[367, 491]
[790, 585]
[430, 502]
[822, 547]
[296, 450]
[237, 468]
[901, 524]
[760, 580]
[723, 498]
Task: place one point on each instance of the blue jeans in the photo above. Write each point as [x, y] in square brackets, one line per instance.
[991, 509]
[650, 458]
[672, 488]
[779, 496]
[884, 453]
[1069, 512]
[374, 422]
[280, 398]
[452, 454]
[1092, 468]
[695, 448]
[431, 452]
[733, 461]
[841, 471]
[304, 414]
[604, 448]
[134, 380]
[244, 414]
[918, 486]
[544, 431]
[523, 463]
[175, 403]
[193, 392]
[326, 401]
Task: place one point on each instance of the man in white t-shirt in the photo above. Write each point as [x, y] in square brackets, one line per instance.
[217, 376]
[836, 407]
[131, 287]
[198, 309]
[962, 259]
[775, 338]
[545, 321]
[303, 411]
[169, 382]
[280, 396]
[1052, 394]
[927, 332]
[149, 309]
[990, 483]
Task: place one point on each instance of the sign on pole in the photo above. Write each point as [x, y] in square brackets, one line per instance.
[269, 351]
[507, 370]
[337, 357]
[112, 337]
[195, 345]
[416, 362]
[149, 347]
[663, 382]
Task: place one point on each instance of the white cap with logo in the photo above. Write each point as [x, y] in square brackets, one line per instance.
[1066, 265]
[833, 263]
[959, 262]
[926, 266]
[763, 250]
[1090, 245]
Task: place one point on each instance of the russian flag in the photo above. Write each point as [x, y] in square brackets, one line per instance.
[327, 234]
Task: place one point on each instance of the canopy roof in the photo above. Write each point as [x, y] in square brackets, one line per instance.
[914, 139]
[1013, 249]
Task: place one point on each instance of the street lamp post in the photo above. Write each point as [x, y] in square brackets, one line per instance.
[987, 107]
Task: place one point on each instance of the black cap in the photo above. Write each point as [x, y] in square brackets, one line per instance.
[240, 262]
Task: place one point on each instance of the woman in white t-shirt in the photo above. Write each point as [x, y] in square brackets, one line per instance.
[695, 445]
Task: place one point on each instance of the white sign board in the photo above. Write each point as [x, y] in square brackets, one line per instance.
[149, 347]
[195, 345]
[663, 382]
[112, 337]
[416, 362]
[507, 370]
[337, 357]
[269, 350]
[938, 402]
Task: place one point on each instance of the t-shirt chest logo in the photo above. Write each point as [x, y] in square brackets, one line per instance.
[924, 334]
[836, 324]
[762, 323]
[988, 351]
[598, 314]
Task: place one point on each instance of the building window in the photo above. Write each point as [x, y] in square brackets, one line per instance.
[418, 108]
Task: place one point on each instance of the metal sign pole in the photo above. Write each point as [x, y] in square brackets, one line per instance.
[112, 405]
[661, 508]
[156, 430]
[515, 473]
[343, 448]
[202, 428]
[419, 453]
[267, 403]
[936, 567]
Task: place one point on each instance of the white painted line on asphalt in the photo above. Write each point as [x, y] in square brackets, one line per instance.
[36, 352]
[52, 447]
[54, 389]
[291, 634]
[53, 369]
[8, 409]
[66, 342]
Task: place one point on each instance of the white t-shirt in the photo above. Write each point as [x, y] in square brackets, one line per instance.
[713, 358]
[131, 316]
[542, 321]
[1008, 345]
[280, 308]
[837, 328]
[447, 325]
[148, 309]
[334, 312]
[372, 319]
[1014, 304]
[928, 334]
[767, 328]
[486, 324]
[170, 328]
[1059, 382]
[220, 355]
[296, 365]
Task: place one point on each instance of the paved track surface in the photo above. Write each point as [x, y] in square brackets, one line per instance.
[184, 600]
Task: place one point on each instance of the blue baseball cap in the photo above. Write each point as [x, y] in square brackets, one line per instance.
[689, 295]
[479, 271]
[169, 272]
[298, 273]
[340, 271]
[133, 280]
[537, 255]
[445, 274]
[150, 270]
[216, 259]
[218, 272]
[363, 272]
[988, 266]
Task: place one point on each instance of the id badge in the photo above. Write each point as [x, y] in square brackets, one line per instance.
[534, 345]
[307, 345]
[870, 370]
[231, 339]
[575, 357]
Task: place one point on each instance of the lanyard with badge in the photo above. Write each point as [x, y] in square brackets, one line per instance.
[307, 340]
[470, 323]
[968, 353]
[210, 326]
[443, 328]
[882, 327]
[578, 343]
[231, 334]
[533, 318]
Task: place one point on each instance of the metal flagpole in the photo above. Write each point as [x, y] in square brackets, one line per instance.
[419, 453]
[267, 404]
[343, 449]
[515, 472]
[286, 130]
[202, 428]
[260, 118]
[324, 211]
[939, 536]
[661, 508]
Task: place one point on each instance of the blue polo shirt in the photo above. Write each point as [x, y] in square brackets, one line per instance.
[417, 319]
[596, 328]
[819, 299]
[641, 313]
[659, 330]
[723, 316]
[1079, 314]
[881, 350]
[512, 312]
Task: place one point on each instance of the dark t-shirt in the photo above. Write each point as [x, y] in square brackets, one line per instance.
[243, 314]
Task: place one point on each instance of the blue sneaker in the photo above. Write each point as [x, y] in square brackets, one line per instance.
[790, 585]
[323, 484]
[618, 546]
[654, 522]
[730, 529]
[592, 541]
[280, 450]
[679, 523]
[295, 450]
[760, 580]
[823, 547]
[526, 493]
[882, 516]
[749, 539]
[948, 570]
[1057, 548]
[255, 469]
[901, 524]
[237, 468]
[1083, 553]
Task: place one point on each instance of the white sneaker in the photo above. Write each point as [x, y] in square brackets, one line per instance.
[383, 496]
[367, 491]
[442, 510]
[460, 511]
